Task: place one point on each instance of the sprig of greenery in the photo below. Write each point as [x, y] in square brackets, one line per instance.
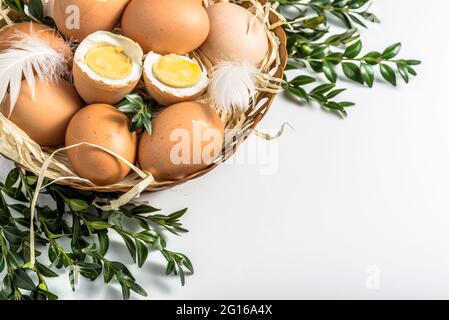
[74, 216]
[314, 49]
[35, 10]
[138, 110]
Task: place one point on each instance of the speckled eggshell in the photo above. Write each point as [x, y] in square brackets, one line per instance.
[155, 150]
[105, 126]
[93, 91]
[42, 31]
[229, 39]
[166, 98]
[94, 15]
[162, 26]
[45, 118]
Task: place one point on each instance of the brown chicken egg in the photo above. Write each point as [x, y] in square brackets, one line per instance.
[105, 126]
[186, 138]
[235, 35]
[46, 116]
[106, 67]
[175, 26]
[42, 31]
[77, 19]
[173, 78]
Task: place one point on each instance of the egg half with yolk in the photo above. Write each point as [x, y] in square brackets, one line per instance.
[172, 78]
[106, 67]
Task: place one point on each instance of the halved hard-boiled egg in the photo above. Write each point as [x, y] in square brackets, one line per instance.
[106, 67]
[173, 78]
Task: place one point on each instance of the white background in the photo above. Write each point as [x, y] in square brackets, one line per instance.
[349, 199]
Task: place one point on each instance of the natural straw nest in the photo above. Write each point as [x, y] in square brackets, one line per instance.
[17, 146]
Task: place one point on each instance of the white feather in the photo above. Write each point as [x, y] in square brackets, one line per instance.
[28, 56]
[233, 85]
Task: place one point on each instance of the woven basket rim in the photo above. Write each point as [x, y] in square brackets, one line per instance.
[22, 150]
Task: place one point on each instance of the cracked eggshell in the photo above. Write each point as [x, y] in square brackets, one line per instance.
[96, 89]
[166, 95]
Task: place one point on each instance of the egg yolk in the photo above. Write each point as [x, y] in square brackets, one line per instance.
[109, 62]
[176, 72]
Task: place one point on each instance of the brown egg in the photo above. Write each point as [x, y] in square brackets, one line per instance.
[229, 38]
[45, 118]
[42, 31]
[77, 19]
[175, 26]
[105, 126]
[111, 74]
[187, 137]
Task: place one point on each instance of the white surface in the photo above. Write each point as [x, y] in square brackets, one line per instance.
[350, 198]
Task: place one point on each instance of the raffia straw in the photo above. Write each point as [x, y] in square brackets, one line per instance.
[147, 179]
[4, 13]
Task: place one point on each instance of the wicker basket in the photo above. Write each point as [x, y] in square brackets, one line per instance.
[17, 146]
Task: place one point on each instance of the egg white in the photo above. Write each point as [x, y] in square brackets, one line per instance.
[201, 85]
[103, 38]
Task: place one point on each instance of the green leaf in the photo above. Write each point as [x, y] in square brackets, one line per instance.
[77, 205]
[352, 72]
[334, 93]
[108, 273]
[100, 225]
[2, 262]
[45, 271]
[369, 17]
[12, 178]
[302, 80]
[343, 18]
[319, 52]
[319, 97]
[7, 287]
[330, 71]
[143, 209]
[187, 263]
[90, 250]
[31, 180]
[138, 289]
[299, 93]
[50, 296]
[403, 72]
[130, 245]
[373, 58]
[388, 74]
[357, 20]
[142, 253]
[353, 50]
[346, 104]
[357, 4]
[170, 267]
[13, 234]
[392, 51]
[367, 73]
[36, 8]
[104, 242]
[22, 280]
[72, 279]
[413, 62]
[322, 89]
[125, 290]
